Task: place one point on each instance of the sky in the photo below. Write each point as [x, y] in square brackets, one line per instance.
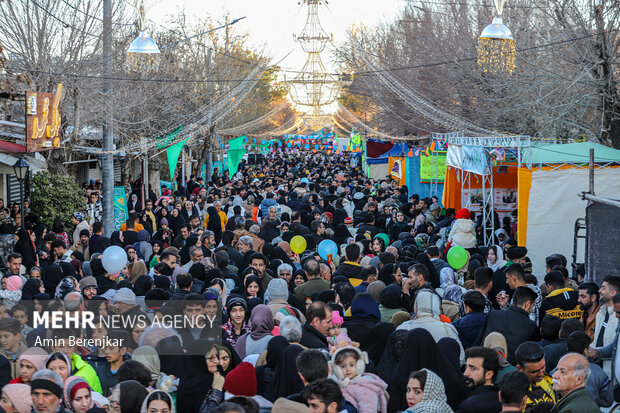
[272, 23]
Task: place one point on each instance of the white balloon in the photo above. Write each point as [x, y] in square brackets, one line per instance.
[114, 259]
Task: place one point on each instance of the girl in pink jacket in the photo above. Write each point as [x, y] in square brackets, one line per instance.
[366, 391]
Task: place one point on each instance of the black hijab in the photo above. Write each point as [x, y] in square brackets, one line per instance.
[265, 375]
[175, 222]
[380, 334]
[196, 380]
[184, 253]
[51, 278]
[386, 273]
[393, 352]
[26, 249]
[115, 239]
[143, 284]
[132, 394]
[215, 223]
[391, 296]
[286, 381]
[341, 234]
[31, 288]
[422, 352]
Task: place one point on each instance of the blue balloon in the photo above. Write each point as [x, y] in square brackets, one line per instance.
[327, 247]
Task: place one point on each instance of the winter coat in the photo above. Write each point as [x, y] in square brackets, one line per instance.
[561, 303]
[469, 327]
[514, 324]
[483, 399]
[463, 233]
[312, 338]
[81, 368]
[368, 393]
[575, 401]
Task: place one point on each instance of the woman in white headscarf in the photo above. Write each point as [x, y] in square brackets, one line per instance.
[495, 257]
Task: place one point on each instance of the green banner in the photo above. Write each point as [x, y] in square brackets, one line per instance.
[173, 153]
[120, 207]
[234, 157]
[236, 143]
[426, 167]
[168, 139]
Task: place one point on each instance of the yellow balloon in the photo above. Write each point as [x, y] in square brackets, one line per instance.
[298, 244]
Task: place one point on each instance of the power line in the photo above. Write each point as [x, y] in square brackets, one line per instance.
[65, 24]
[91, 16]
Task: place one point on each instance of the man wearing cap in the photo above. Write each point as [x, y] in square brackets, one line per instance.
[515, 255]
[80, 223]
[46, 391]
[88, 287]
[125, 303]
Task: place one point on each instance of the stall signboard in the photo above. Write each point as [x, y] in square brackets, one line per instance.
[427, 168]
[43, 120]
[475, 160]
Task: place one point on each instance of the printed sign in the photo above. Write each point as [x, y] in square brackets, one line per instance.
[428, 170]
[43, 120]
[475, 160]
[120, 207]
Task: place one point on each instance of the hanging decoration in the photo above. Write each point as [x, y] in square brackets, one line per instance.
[143, 53]
[496, 45]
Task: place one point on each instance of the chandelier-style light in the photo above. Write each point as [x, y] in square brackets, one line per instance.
[143, 53]
[496, 45]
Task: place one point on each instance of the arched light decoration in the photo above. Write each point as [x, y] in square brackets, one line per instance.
[496, 46]
[143, 53]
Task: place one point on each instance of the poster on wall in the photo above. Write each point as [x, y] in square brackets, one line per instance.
[427, 167]
[505, 198]
[472, 199]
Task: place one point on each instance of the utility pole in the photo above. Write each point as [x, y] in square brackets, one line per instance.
[107, 160]
[209, 137]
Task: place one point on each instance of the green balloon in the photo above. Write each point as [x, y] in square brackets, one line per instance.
[384, 237]
[457, 257]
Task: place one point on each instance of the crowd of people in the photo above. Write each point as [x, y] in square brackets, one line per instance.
[384, 325]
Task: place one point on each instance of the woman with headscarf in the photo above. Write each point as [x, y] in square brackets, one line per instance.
[391, 301]
[134, 205]
[51, 278]
[495, 257]
[137, 269]
[261, 325]
[143, 246]
[158, 401]
[197, 375]
[391, 355]
[364, 316]
[25, 247]
[77, 395]
[143, 285]
[265, 374]
[31, 287]
[253, 287]
[269, 231]
[433, 397]
[420, 352]
[129, 396]
[341, 234]
[149, 358]
[215, 224]
[345, 292]
[191, 241]
[286, 379]
[380, 334]
[452, 296]
[175, 220]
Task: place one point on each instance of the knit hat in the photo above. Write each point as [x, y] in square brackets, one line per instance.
[399, 318]
[241, 381]
[284, 312]
[434, 207]
[163, 221]
[337, 318]
[348, 221]
[46, 384]
[79, 216]
[14, 283]
[283, 405]
[125, 296]
[364, 306]
[19, 395]
[234, 301]
[35, 355]
[88, 282]
[514, 253]
[463, 213]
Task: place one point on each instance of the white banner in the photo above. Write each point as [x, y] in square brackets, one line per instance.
[454, 156]
[475, 160]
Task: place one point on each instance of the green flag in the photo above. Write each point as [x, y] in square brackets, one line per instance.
[236, 143]
[168, 139]
[234, 157]
[173, 153]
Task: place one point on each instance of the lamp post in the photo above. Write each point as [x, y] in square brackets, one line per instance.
[20, 169]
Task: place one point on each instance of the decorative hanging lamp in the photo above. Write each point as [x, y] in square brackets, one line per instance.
[496, 45]
[143, 53]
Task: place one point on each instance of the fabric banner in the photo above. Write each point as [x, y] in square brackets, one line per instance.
[475, 160]
[454, 156]
[376, 149]
[236, 143]
[168, 139]
[234, 157]
[398, 170]
[120, 207]
[173, 153]
[427, 169]
[167, 184]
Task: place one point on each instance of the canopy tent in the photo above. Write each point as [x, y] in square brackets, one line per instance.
[548, 203]
[398, 150]
[547, 179]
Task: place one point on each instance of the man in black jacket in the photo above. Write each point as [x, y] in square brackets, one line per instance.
[480, 370]
[351, 268]
[514, 322]
[319, 320]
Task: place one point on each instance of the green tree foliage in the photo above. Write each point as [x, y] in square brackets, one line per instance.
[54, 196]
